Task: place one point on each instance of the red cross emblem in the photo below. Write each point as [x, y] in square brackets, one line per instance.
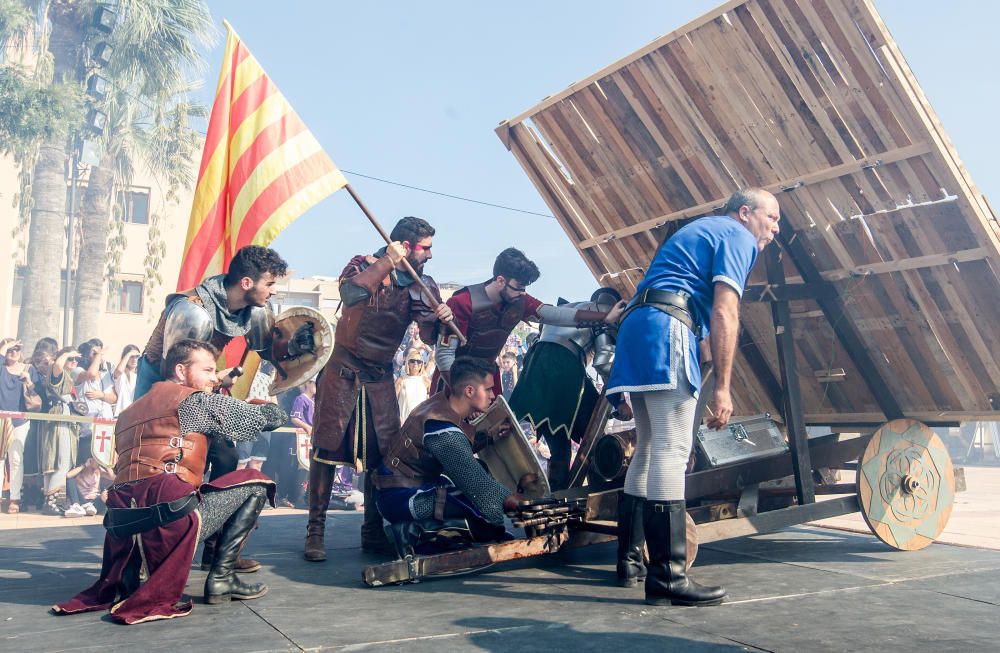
[102, 437]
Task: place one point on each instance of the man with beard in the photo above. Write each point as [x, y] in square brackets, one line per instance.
[159, 509]
[487, 312]
[220, 308]
[228, 302]
[357, 414]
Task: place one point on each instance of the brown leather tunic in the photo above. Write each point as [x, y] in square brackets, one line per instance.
[148, 438]
[410, 463]
[154, 346]
[488, 327]
[367, 337]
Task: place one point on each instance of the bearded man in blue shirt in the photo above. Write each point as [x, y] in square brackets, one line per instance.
[691, 291]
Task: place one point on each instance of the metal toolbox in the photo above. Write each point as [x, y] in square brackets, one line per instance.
[742, 439]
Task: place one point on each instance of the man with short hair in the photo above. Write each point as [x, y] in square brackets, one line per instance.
[486, 313]
[691, 291]
[159, 509]
[228, 302]
[357, 414]
[430, 470]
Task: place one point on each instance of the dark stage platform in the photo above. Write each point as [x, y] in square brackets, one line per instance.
[803, 589]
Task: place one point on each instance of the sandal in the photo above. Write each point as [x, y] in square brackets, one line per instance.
[13, 507]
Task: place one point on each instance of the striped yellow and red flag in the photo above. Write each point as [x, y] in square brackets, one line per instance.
[261, 168]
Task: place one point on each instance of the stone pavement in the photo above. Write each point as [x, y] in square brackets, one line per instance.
[804, 588]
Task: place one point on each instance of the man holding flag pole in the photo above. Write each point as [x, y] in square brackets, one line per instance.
[262, 168]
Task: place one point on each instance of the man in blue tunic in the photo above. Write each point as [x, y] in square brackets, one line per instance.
[691, 291]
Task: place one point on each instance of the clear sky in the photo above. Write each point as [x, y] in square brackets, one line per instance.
[411, 92]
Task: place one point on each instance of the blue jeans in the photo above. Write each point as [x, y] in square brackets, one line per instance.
[146, 375]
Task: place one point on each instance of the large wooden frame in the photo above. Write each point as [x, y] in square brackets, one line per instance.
[812, 100]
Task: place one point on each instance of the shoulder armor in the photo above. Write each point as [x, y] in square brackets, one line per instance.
[261, 326]
[185, 319]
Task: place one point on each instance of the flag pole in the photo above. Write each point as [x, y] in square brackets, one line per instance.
[432, 301]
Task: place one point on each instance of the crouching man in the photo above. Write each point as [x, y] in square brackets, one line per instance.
[430, 478]
[159, 510]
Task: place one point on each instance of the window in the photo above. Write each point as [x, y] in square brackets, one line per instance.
[134, 205]
[18, 286]
[125, 297]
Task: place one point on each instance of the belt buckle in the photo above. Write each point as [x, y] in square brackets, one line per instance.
[170, 468]
[177, 442]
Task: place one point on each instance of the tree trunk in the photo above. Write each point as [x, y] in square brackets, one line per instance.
[39, 316]
[90, 271]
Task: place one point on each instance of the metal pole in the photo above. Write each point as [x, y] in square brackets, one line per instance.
[71, 241]
[431, 299]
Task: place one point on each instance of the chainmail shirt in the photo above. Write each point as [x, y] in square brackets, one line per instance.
[225, 417]
[452, 449]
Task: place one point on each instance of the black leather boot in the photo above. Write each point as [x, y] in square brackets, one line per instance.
[222, 583]
[667, 582]
[320, 486]
[631, 540]
[373, 537]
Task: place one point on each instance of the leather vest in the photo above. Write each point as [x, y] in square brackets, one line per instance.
[489, 328]
[154, 346]
[410, 463]
[373, 329]
[148, 438]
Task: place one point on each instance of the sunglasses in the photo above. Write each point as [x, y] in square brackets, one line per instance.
[415, 362]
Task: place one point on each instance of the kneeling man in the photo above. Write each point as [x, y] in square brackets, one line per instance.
[431, 472]
[159, 510]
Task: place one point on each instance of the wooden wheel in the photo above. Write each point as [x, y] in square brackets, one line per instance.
[906, 484]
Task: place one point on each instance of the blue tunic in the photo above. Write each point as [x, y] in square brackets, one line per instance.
[707, 251]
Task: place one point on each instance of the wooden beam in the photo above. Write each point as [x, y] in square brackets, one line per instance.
[768, 522]
[792, 396]
[786, 185]
[844, 329]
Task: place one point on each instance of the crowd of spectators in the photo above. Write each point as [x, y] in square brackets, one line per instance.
[46, 464]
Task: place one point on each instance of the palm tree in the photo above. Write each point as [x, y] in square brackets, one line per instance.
[156, 46]
[39, 314]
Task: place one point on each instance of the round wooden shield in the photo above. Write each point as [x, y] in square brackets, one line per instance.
[906, 484]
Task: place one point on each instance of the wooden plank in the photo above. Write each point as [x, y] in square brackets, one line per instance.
[797, 182]
[914, 263]
[813, 99]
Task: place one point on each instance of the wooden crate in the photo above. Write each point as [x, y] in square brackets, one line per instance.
[812, 100]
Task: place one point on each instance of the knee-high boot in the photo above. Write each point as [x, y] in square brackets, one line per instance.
[373, 537]
[222, 583]
[631, 539]
[320, 485]
[666, 536]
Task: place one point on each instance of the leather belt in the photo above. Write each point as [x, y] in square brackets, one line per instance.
[125, 522]
[673, 304]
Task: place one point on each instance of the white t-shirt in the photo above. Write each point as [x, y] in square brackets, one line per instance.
[125, 388]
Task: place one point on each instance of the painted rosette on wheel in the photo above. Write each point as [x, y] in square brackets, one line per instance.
[906, 484]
